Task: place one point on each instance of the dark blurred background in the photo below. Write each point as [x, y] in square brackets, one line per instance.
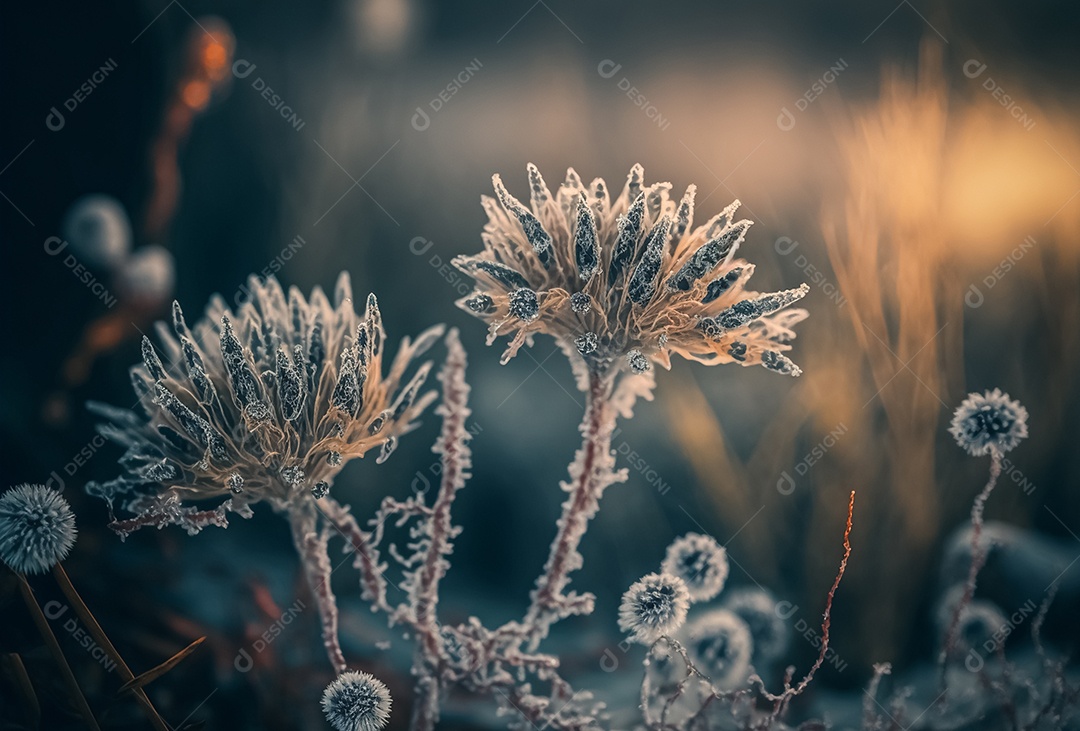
[893, 156]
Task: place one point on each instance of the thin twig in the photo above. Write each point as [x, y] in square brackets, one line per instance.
[102, 639]
[978, 560]
[58, 654]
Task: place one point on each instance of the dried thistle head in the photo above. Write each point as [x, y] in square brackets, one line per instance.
[267, 403]
[626, 281]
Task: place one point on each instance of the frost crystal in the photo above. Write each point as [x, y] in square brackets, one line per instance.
[257, 404]
[700, 562]
[632, 270]
[357, 701]
[638, 363]
[579, 303]
[37, 528]
[720, 646]
[989, 421]
[653, 607]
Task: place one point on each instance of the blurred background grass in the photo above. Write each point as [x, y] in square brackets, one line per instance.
[905, 179]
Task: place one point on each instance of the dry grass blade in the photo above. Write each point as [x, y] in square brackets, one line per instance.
[58, 654]
[144, 679]
[102, 639]
[13, 666]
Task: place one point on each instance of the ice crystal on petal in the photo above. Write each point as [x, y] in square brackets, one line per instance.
[257, 403]
[37, 528]
[700, 562]
[633, 271]
[579, 303]
[357, 701]
[989, 421]
[653, 607]
[637, 361]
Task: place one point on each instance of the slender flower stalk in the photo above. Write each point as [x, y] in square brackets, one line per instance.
[592, 471]
[987, 423]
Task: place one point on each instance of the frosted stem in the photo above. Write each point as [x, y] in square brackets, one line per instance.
[424, 583]
[590, 473]
[311, 545]
[366, 560]
[978, 560]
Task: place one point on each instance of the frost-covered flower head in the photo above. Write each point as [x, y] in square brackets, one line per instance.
[989, 421]
[720, 646]
[37, 528]
[356, 701]
[624, 281]
[654, 606]
[265, 403]
[700, 562]
[757, 608]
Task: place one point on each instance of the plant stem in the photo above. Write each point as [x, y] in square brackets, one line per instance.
[591, 472]
[311, 544]
[978, 560]
[102, 639]
[58, 654]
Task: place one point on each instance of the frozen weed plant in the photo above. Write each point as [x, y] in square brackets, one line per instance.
[266, 404]
[37, 528]
[619, 284]
[987, 423]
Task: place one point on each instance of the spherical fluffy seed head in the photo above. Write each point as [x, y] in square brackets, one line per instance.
[989, 421]
[629, 267]
[356, 701]
[260, 400]
[757, 608]
[700, 562]
[654, 606]
[37, 528]
[720, 646]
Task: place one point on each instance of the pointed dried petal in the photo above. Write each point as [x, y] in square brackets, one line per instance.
[705, 259]
[152, 361]
[626, 243]
[643, 284]
[530, 224]
[586, 245]
[499, 272]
